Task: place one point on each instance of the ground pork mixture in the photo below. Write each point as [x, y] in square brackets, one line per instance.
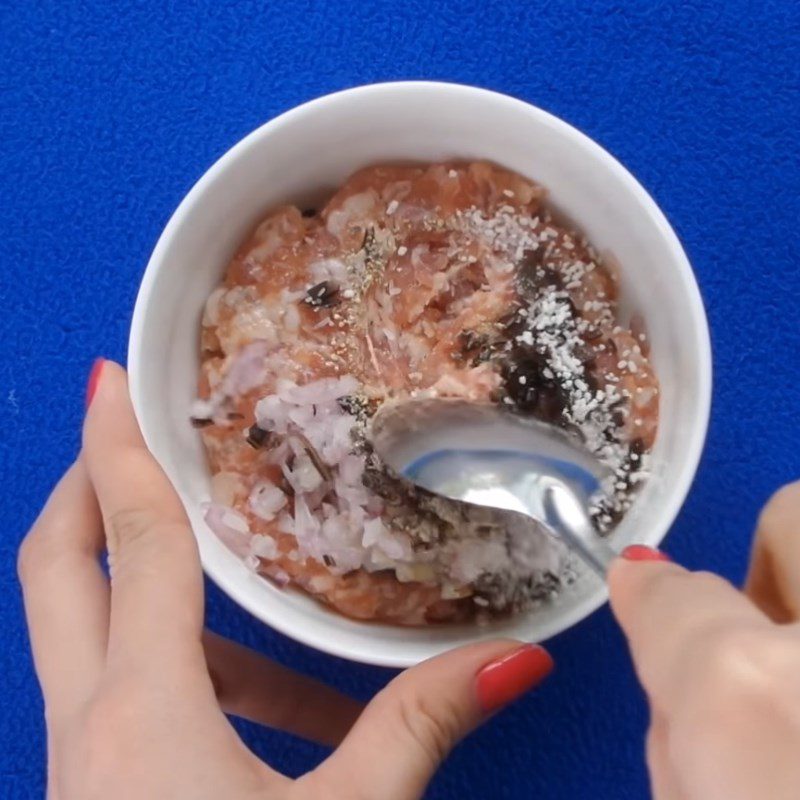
[449, 280]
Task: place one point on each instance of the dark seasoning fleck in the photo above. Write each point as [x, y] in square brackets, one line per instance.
[324, 294]
[205, 422]
[257, 437]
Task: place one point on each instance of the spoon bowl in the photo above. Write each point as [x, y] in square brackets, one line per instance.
[486, 456]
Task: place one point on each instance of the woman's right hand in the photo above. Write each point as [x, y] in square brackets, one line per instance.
[721, 668]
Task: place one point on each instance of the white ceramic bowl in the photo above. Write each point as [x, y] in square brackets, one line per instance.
[300, 157]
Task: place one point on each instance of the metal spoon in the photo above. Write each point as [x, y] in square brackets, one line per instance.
[486, 456]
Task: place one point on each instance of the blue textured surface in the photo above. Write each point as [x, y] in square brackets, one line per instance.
[110, 111]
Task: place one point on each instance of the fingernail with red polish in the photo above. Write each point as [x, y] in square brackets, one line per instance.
[641, 552]
[94, 379]
[503, 681]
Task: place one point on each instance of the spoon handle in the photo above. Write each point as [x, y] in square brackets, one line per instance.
[567, 516]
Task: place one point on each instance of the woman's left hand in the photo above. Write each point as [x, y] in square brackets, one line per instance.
[135, 690]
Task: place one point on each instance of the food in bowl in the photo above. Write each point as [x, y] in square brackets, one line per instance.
[450, 280]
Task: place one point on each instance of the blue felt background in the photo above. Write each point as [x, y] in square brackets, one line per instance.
[110, 111]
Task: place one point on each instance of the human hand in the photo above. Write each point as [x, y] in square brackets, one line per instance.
[134, 690]
[721, 668]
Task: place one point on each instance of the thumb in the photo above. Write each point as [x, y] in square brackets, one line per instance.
[409, 728]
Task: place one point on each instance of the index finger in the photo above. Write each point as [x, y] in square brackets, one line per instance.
[156, 579]
[664, 610]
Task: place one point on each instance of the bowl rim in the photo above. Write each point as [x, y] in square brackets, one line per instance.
[694, 444]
